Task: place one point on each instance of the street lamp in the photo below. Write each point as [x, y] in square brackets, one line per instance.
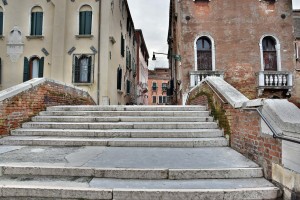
[175, 56]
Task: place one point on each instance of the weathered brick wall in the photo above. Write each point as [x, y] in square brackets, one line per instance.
[243, 128]
[236, 27]
[21, 107]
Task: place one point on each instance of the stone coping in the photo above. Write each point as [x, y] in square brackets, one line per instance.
[17, 89]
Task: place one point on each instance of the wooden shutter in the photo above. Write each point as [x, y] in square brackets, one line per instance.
[1, 23]
[41, 67]
[33, 23]
[0, 71]
[39, 23]
[26, 75]
[119, 79]
[76, 70]
[88, 23]
[128, 87]
[81, 23]
[89, 69]
[122, 45]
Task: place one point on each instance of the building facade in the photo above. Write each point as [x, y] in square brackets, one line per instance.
[142, 69]
[297, 50]
[158, 80]
[248, 43]
[87, 43]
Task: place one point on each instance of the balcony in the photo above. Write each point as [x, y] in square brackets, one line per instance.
[275, 80]
[197, 76]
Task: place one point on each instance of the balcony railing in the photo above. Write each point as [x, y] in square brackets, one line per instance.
[279, 80]
[197, 76]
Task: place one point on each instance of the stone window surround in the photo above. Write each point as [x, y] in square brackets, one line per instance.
[213, 50]
[278, 52]
[29, 23]
[78, 20]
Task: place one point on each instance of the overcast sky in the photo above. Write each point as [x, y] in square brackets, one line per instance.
[152, 16]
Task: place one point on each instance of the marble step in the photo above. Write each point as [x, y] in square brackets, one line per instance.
[123, 133]
[114, 142]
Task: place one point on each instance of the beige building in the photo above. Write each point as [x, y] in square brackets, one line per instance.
[88, 43]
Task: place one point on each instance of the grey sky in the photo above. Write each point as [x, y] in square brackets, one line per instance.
[296, 4]
[152, 16]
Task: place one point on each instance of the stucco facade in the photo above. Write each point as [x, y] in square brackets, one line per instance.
[158, 80]
[63, 44]
[231, 39]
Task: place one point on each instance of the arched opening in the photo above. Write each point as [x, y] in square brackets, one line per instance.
[36, 28]
[204, 53]
[33, 68]
[269, 54]
[85, 20]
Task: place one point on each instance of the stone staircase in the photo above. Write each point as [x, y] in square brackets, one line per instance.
[126, 153]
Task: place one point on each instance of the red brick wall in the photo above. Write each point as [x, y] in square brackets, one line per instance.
[244, 130]
[21, 107]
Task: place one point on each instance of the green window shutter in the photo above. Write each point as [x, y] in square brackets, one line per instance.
[41, 67]
[39, 23]
[128, 87]
[122, 45]
[1, 23]
[0, 71]
[119, 79]
[81, 23]
[26, 74]
[76, 70]
[90, 69]
[33, 23]
[88, 22]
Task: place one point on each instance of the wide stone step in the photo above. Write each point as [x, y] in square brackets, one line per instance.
[127, 108]
[124, 133]
[128, 113]
[120, 189]
[115, 142]
[119, 119]
[131, 173]
[122, 125]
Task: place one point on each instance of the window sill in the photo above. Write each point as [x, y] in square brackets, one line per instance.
[29, 37]
[2, 37]
[120, 91]
[82, 84]
[84, 36]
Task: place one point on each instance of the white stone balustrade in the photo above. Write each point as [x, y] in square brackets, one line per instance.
[197, 77]
[275, 79]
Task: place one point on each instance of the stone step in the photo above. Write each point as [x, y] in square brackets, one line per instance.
[124, 189]
[114, 142]
[128, 113]
[121, 125]
[131, 173]
[119, 119]
[127, 108]
[123, 133]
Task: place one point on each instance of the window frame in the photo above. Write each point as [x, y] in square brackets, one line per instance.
[84, 33]
[32, 30]
[154, 98]
[91, 72]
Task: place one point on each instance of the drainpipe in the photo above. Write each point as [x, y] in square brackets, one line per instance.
[99, 34]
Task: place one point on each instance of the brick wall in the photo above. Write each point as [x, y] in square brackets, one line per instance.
[20, 107]
[243, 129]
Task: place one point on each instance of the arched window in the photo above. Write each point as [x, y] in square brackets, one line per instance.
[204, 53]
[83, 69]
[269, 53]
[33, 68]
[85, 20]
[36, 21]
[1, 21]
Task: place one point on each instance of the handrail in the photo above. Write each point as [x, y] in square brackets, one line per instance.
[275, 134]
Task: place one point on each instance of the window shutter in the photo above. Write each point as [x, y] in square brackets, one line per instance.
[26, 70]
[122, 45]
[128, 87]
[81, 23]
[119, 79]
[33, 23]
[39, 23]
[41, 67]
[88, 22]
[1, 23]
[90, 69]
[76, 70]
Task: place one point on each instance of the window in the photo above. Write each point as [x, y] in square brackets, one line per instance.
[128, 83]
[164, 86]
[153, 99]
[154, 86]
[204, 54]
[162, 99]
[119, 79]
[1, 21]
[269, 54]
[33, 68]
[85, 20]
[122, 45]
[36, 21]
[83, 68]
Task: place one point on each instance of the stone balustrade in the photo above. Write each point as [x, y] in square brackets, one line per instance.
[197, 77]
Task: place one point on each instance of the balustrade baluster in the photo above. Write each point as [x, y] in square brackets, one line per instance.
[280, 80]
[267, 80]
[276, 79]
[284, 80]
[271, 80]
